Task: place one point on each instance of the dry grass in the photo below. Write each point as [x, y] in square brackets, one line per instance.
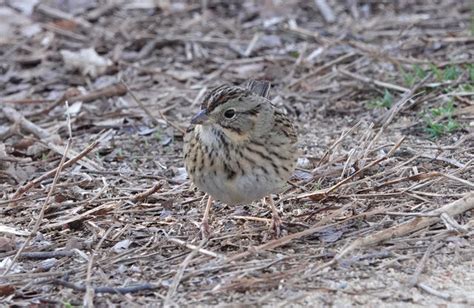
[379, 210]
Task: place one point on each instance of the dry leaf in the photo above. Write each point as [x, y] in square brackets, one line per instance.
[87, 61]
[25, 6]
[10, 230]
[6, 244]
[122, 246]
[6, 289]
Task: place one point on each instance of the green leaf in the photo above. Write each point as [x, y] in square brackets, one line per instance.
[451, 73]
[294, 53]
[436, 72]
[385, 102]
[419, 72]
[470, 70]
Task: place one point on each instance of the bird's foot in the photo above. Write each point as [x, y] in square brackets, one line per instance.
[205, 229]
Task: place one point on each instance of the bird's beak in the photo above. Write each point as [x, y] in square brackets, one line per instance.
[200, 118]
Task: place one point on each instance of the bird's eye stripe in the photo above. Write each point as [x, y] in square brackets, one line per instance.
[253, 111]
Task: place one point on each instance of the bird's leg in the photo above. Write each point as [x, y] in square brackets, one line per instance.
[276, 220]
[205, 229]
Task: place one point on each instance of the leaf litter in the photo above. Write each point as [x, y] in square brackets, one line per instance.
[95, 204]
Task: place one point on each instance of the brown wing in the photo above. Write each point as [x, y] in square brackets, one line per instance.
[285, 126]
[259, 87]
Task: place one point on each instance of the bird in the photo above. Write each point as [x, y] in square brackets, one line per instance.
[240, 148]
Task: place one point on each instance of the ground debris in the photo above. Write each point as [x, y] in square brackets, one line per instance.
[95, 203]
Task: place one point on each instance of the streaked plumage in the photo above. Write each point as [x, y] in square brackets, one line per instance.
[240, 148]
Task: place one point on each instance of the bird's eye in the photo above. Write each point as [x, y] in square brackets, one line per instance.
[229, 113]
